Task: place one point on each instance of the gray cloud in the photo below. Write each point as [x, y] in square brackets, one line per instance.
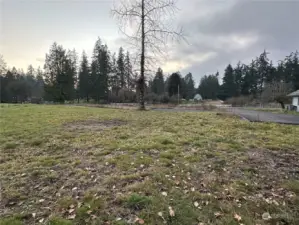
[239, 31]
[219, 31]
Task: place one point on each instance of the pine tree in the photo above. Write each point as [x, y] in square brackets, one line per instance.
[190, 89]
[60, 74]
[209, 87]
[262, 63]
[229, 85]
[114, 82]
[30, 80]
[174, 84]
[238, 76]
[295, 71]
[100, 69]
[39, 86]
[84, 78]
[121, 67]
[158, 83]
[128, 72]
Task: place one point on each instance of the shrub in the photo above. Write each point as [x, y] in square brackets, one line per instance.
[174, 99]
[239, 101]
[123, 96]
[164, 98]
[151, 98]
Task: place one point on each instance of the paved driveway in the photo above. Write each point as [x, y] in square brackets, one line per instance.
[256, 116]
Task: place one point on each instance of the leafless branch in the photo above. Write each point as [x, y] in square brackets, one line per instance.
[149, 31]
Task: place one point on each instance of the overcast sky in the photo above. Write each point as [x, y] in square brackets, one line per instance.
[218, 31]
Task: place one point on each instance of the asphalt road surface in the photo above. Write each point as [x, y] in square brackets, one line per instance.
[260, 116]
[251, 115]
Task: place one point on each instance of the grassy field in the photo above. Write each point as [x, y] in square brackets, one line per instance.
[64, 165]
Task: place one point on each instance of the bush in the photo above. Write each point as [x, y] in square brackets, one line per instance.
[123, 96]
[164, 98]
[239, 101]
[151, 98]
[173, 99]
[35, 100]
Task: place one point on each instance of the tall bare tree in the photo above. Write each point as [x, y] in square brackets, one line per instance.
[148, 24]
[2, 66]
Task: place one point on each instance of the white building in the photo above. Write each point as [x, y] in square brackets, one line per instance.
[197, 97]
[295, 101]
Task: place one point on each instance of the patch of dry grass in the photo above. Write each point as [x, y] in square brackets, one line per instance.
[77, 165]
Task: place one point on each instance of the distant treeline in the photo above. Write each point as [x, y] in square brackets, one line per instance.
[109, 77]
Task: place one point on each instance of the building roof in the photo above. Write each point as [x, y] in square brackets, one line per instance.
[294, 94]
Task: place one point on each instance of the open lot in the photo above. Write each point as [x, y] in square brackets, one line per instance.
[65, 165]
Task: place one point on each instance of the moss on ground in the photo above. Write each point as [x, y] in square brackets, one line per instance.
[124, 166]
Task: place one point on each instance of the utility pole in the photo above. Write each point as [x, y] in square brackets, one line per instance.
[178, 94]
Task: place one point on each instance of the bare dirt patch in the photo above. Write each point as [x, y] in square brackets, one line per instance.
[93, 125]
[276, 163]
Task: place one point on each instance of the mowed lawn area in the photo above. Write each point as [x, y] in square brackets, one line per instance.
[64, 165]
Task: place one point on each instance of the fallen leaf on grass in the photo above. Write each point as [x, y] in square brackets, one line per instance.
[33, 215]
[177, 182]
[218, 214]
[71, 211]
[72, 206]
[71, 217]
[237, 217]
[41, 200]
[41, 220]
[171, 211]
[139, 220]
[266, 216]
[161, 215]
[164, 193]
[196, 204]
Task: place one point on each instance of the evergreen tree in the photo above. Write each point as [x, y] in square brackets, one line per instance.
[174, 84]
[38, 91]
[295, 74]
[229, 85]
[238, 76]
[158, 83]
[128, 72]
[30, 79]
[121, 67]
[114, 81]
[60, 74]
[100, 69]
[262, 63]
[190, 89]
[209, 87]
[84, 78]
[291, 64]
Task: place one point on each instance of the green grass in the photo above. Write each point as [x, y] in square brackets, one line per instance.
[80, 165]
